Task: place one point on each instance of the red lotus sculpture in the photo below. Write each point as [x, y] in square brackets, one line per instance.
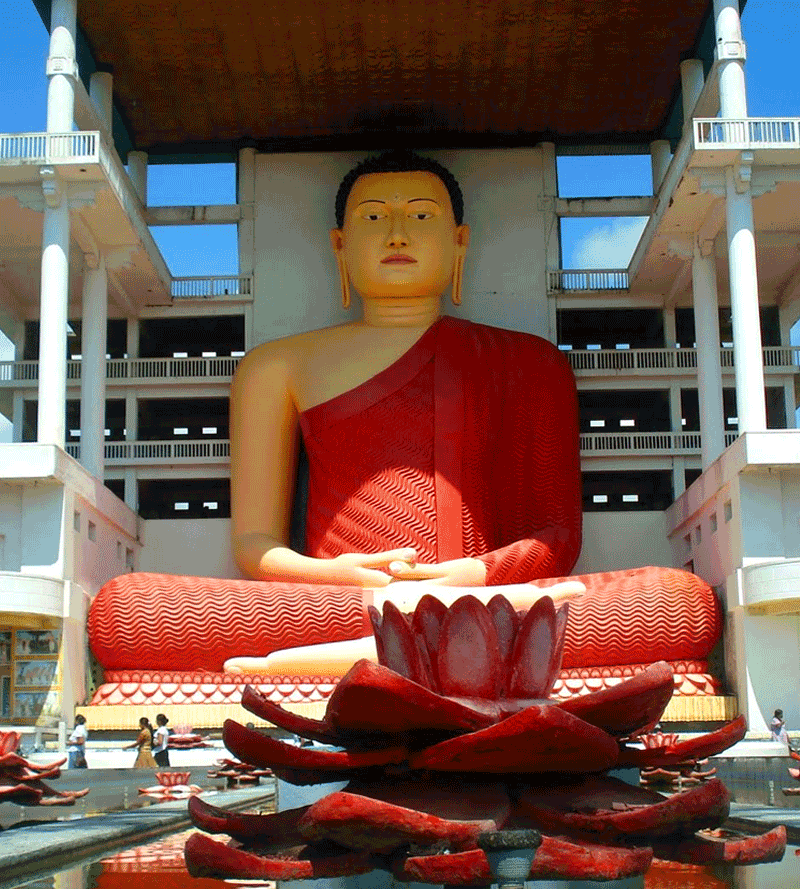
[452, 737]
[23, 782]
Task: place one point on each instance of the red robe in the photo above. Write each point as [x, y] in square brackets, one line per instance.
[465, 446]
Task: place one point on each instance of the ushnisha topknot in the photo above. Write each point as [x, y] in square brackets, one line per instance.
[400, 161]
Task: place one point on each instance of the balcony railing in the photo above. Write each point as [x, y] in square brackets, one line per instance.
[217, 451]
[588, 362]
[746, 134]
[149, 453]
[131, 370]
[212, 287]
[50, 148]
[580, 280]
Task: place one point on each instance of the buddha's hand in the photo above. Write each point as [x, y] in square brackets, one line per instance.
[363, 569]
[457, 572]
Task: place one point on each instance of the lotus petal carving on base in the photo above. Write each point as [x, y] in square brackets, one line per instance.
[452, 736]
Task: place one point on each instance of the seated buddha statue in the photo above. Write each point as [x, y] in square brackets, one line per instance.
[442, 456]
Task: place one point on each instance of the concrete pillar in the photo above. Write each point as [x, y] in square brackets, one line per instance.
[670, 329]
[660, 158]
[137, 173]
[101, 87]
[246, 196]
[131, 497]
[17, 416]
[54, 301]
[552, 245]
[93, 368]
[62, 68]
[132, 338]
[692, 82]
[748, 356]
[709, 369]
[731, 56]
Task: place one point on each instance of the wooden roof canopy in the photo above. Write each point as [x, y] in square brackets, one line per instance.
[205, 76]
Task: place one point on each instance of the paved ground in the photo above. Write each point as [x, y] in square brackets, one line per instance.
[45, 846]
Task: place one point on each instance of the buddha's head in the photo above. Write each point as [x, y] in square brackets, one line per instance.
[399, 229]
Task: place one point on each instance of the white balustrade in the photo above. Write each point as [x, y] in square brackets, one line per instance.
[50, 148]
[142, 453]
[210, 287]
[746, 134]
[579, 280]
[648, 443]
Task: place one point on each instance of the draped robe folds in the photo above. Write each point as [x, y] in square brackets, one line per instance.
[466, 446]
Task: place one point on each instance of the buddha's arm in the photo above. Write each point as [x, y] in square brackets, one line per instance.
[264, 430]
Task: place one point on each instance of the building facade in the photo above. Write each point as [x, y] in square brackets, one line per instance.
[118, 390]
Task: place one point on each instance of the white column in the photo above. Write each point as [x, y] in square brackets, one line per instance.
[61, 67]
[659, 162]
[131, 494]
[731, 55]
[93, 368]
[18, 416]
[709, 369]
[748, 356]
[54, 301]
[692, 81]
[246, 195]
[101, 86]
[670, 328]
[137, 173]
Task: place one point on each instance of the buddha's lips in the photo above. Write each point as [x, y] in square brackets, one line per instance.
[399, 258]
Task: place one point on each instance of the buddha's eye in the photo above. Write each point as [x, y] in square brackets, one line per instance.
[420, 215]
[373, 217]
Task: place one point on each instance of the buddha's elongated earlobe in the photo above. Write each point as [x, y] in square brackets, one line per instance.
[462, 242]
[458, 275]
[337, 242]
[344, 280]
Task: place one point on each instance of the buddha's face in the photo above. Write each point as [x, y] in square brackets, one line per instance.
[400, 238]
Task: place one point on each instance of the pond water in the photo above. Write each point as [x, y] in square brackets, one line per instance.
[159, 865]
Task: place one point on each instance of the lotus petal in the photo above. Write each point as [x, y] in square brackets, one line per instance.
[532, 661]
[313, 729]
[273, 831]
[611, 810]
[632, 707]
[562, 616]
[261, 750]
[555, 859]
[373, 698]
[427, 625]
[360, 822]
[694, 748]
[399, 647]
[506, 623]
[727, 848]
[208, 858]
[542, 738]
[468, 660]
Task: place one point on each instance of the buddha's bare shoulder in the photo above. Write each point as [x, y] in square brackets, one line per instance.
[292, 353]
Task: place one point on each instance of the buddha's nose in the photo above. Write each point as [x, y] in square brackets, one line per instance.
[398, 236]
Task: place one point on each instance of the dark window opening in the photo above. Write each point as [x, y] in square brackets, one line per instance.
[611, 328]
[116, 339]
[114, 420]
[116, 486]
[165, 419]
[208, 498]
[624, 410]
[627, 491]
[775, 405]
[222, 335]
[686, 337]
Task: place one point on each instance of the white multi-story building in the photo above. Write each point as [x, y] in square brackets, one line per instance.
[118, 388]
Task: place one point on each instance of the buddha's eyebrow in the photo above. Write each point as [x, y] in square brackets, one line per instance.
[371, 201]
[428, 200]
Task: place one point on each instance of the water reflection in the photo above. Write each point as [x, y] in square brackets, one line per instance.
[160, 864]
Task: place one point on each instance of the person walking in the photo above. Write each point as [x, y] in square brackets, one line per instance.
[76, 744]
[161, 741]
[144, 741]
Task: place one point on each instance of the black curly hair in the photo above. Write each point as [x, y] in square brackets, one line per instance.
[400, 161]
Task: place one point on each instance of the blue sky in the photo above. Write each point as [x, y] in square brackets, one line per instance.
[772, 40]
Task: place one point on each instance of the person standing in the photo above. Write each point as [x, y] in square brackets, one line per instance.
[161, 741]
[144, 741]
[76, 744]
[778, 728]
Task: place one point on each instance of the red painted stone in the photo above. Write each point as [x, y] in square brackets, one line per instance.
[694, 748]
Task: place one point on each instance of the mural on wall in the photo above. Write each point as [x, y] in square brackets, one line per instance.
[30, 675]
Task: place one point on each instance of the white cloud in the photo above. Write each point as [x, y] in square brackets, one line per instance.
[608, 245]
